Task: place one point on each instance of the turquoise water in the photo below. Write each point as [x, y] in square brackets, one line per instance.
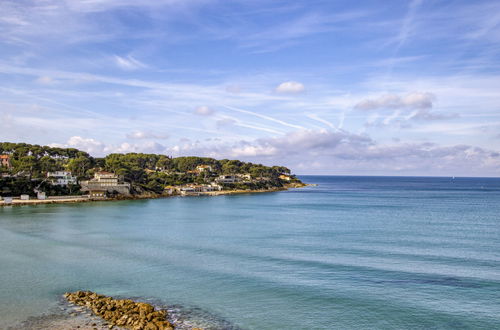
[351, 253]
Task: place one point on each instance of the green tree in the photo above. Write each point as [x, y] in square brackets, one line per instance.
[79, 166]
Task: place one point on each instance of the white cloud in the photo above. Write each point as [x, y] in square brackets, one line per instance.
[146, 147]
[87, 144]
[98, 148]
[129, 63]
[324, 151]
[204, 111]
[290, 87]
[253, 151]
[393, 101]
[146, 135]
[420, 105]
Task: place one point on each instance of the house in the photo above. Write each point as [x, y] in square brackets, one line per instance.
[187, 190]
[207, 188]
[198, 189]
[105, 179]
[61, 178]
[227, 179]
[170, 190]
[107, 182]
[285, 177]
[203, 168]
[244, 177]
[216, 187]
[5, 161]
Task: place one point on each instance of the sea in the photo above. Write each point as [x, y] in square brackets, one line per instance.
[348, 253]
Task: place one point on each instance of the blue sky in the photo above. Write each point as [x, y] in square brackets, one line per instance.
[325, 87]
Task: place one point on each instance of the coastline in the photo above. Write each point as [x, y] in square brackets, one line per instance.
[83, 315]
[80, 199]
[72, 319]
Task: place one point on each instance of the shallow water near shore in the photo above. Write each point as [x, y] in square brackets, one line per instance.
[351, 253]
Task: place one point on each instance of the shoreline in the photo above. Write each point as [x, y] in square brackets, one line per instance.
[78, 199]
[84, 315]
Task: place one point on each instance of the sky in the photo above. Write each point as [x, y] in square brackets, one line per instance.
[321, 86]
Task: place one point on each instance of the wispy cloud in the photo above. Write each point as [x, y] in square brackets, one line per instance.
[129, 63]
[321, 120]
[284, 123]
[407, 26]
[391, 101]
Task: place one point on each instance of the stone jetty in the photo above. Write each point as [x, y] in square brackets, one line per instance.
[123, 313]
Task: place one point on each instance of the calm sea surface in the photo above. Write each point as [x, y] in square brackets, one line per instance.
[351, 253]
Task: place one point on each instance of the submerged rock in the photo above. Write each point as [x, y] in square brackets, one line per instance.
[124, 313]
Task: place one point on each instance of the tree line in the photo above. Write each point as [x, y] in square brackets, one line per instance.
[151, 172]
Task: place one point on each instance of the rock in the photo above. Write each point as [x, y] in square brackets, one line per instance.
[121, 312]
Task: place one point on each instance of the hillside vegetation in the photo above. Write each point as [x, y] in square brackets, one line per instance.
[146, 172]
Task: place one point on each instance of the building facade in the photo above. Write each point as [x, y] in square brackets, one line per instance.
[5, 161]
[227, 179]
[61, 178]
[107, 182]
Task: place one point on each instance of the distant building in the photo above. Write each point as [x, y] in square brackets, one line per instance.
[203, 168]
[227, 179]
[5, 161]
[98, 193]
[198, 189]
[245, 177]
[285, 177]
[216, 186]
[105, 179]
[61, 178]
[107, 182]
[170, 190]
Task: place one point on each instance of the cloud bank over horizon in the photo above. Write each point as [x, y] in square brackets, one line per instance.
[323, 88]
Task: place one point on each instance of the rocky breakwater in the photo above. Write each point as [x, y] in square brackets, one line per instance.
[124, 313]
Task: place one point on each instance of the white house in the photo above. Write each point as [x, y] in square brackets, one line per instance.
[203, 168]
[244, 177]
[105, 179]
[227, 179]
[107, 182]
[61, 178]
